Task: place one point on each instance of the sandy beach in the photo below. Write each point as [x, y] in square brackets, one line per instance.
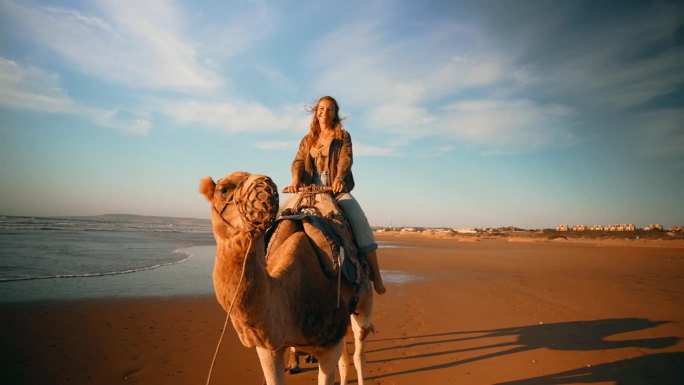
[457, 311]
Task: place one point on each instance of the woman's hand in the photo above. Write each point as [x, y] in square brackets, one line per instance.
[294, 187]
[338, 186]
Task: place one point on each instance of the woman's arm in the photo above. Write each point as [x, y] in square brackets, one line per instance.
[346, 156]
[344, 163]
[297, 168]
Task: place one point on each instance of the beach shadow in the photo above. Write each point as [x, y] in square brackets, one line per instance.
[567, 336]
[661, 368]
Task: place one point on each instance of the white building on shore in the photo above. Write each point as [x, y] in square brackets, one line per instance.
[618, 227]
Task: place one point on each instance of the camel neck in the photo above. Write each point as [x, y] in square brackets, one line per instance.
[237, 258]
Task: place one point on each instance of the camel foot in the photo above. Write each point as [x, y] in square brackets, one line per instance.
[293, 370]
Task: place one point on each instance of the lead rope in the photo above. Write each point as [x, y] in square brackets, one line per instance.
[340, 260]
[225, 324]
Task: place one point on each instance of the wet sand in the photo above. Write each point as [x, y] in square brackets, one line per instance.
[490, 311]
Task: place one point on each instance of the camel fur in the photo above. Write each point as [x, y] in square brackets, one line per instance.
[285, 300]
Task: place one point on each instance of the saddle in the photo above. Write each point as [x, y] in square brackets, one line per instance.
[330, 234]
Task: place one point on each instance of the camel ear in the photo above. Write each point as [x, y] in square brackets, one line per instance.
[207, 187]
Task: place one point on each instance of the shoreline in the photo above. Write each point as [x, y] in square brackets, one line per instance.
[161, 281]
[488, 312]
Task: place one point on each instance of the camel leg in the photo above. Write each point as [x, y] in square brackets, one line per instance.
[344, 363]
[361, 326]
[327, 363]
[273, 365]
[293, 363]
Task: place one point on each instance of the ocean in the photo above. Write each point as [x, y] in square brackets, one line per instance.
[107, 256]
[75, 257]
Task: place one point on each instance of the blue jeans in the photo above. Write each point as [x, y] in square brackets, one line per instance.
[358, 222]
[363, 234]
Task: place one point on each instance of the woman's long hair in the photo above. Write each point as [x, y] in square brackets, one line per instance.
[315, 128]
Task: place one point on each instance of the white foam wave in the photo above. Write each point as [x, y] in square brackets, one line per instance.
[188, 256]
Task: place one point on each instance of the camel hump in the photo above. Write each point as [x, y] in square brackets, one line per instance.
[322, 220]
[329, 247]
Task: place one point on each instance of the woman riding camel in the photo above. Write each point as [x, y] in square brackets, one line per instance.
[325, 158]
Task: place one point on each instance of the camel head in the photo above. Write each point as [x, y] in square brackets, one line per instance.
[241, 202]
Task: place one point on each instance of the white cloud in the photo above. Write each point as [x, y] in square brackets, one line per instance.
[121, 120]
[506, 126]
[361, 149]
[31, 88]
[445, 149]
[284, 145]
[277, 79]
[460, 73]
[139, 44]
[398, 115]
[364, 64]
[356, 65]
[241, 27]
[500, 93]
[405, 87]
[236, 116]
[645, 80]
[618, 64]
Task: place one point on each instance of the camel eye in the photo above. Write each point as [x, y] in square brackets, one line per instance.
[224, 191]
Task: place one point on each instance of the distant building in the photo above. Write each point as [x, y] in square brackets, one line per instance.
[596, 228]
[563, 228]
[676, 228]
[465, 230]
[621, 227]
[442, 230]
[579, 228]
[654, 227]
[435, 231]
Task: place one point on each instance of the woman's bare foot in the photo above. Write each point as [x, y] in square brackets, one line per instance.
[372, 258]
[379, 286]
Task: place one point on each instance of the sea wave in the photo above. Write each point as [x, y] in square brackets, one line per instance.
[187, 257]
[94, 224]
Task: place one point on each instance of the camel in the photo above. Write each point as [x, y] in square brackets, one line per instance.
[284, 299]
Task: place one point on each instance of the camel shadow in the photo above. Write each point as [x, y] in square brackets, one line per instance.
[660, 368]
[566, 336]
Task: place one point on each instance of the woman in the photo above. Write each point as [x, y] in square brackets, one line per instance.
[325, 158]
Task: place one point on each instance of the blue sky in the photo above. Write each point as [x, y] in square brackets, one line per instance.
[473, 113]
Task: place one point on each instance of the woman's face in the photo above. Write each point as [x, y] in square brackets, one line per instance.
[325, 112]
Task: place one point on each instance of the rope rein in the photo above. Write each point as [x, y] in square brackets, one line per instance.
[230, 309]
[256, 201]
